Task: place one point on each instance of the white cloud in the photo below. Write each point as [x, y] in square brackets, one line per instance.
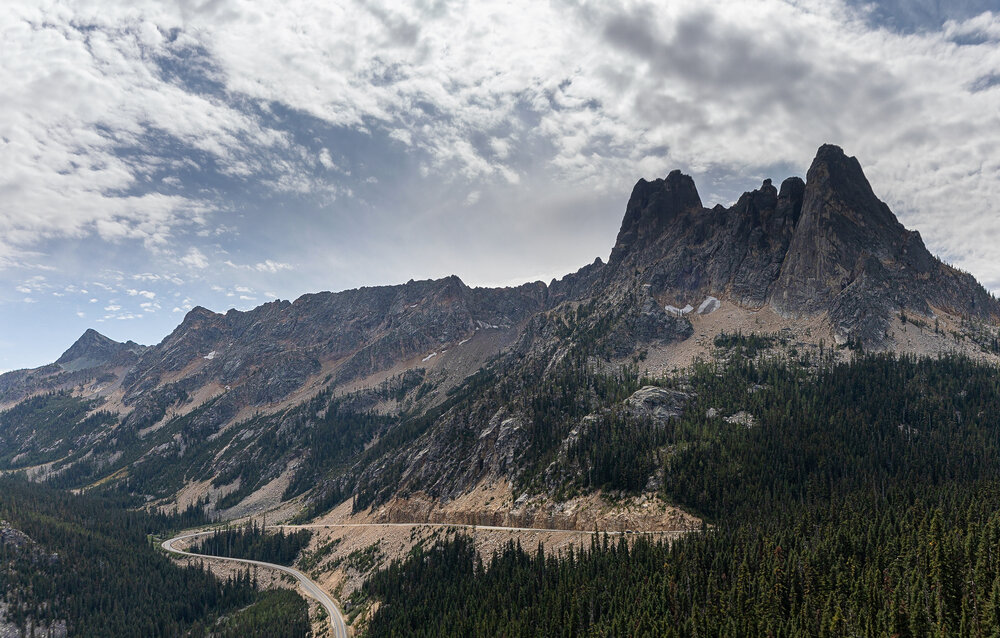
[266, 266]
[560, 97]
[326, 160]
[132, 292]
[194, 259]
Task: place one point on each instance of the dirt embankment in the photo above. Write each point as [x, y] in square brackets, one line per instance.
[494, 506]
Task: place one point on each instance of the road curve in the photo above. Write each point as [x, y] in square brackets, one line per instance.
[313, 590]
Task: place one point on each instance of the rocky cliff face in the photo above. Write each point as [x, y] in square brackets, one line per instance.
[851, 257]
[826, 245]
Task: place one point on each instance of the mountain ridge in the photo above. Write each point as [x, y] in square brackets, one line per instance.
[427, 385]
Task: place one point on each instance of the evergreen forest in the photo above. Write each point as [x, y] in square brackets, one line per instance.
[91, 563]
[861, 501]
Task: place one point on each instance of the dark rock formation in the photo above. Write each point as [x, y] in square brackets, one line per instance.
[826, 245]
[93, 349]
[851, 257]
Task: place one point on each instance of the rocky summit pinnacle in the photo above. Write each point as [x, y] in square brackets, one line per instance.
[651, 208]
[825, 245]
[94, 349]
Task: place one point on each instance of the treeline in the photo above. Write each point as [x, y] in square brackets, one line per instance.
[90, 563]
[861, 500]
[253, 542]
[279, 613]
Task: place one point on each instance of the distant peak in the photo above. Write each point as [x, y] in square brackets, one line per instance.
[92, 348]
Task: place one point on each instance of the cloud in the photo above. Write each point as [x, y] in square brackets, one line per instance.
[266, 266]
[333, 144]
[132, 102]
[194, 259]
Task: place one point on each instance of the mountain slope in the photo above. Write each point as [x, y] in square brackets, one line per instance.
[436, 387]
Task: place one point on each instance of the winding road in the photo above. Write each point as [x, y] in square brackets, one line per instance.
[316, 592]
[313, 590]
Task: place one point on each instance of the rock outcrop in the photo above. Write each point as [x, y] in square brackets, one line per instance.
[826, 245]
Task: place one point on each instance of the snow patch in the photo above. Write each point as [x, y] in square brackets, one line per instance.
[464, 341]
[430, 356]
[710, 305]
[674, 310]
[210, 355]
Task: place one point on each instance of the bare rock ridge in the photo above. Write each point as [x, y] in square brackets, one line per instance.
[93, 349]
[826, 245]
[353, 334]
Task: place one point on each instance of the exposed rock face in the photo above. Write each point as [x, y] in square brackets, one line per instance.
[659, 403]
[850, 256]
[686, 252]
[652, 209]
[270, 351]
[577, 285]
[826, 245]
[93, 349]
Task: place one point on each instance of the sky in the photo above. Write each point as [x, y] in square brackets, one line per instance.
[159, 155]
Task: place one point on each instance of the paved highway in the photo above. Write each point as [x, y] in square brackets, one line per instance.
[494, 528]
[312, 589]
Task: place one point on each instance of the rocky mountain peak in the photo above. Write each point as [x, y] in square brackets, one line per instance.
[845, 233]
[652, 206]
[823, 245]
[93, 349]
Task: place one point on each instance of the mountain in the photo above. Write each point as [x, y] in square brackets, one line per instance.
[414, 396]
[93, 349]
[826, 246]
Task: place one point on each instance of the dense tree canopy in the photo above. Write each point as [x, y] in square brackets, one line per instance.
[861, 501]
